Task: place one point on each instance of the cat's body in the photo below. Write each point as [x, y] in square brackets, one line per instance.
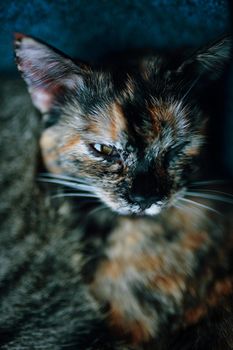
[87, 278]
[43, 302]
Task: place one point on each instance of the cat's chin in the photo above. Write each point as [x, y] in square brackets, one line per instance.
[154, 209]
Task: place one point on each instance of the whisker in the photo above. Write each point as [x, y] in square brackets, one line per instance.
[210, 196]
[85, 195]
[95, 210]
[187, 209]
[182, 207]
[208, 182]
[191, 87]
[63, 177]
[214, 191]
[68, 184]
[200, 205]
[197, 211]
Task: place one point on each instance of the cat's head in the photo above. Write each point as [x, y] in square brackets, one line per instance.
[132, 129]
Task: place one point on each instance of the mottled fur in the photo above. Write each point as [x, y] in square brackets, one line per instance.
[150, 269]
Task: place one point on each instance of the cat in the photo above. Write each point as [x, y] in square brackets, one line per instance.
[147, 263]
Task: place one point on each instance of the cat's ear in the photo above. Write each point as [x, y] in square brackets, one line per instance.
[209, 61]
[47, 72]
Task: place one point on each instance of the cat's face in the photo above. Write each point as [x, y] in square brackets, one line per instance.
[136, 151]
[132, 132]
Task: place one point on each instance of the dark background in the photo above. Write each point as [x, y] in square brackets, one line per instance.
[89, 29]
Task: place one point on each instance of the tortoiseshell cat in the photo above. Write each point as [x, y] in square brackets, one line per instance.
[150, 267]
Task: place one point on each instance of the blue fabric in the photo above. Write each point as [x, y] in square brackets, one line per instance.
[88, 29]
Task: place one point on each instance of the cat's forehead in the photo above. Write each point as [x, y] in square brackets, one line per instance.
[142, 125]
[108, 123]
[130, 110]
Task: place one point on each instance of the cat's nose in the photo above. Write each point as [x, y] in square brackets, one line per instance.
[143, 202]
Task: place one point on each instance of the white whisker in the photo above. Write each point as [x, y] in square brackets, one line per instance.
[214, 191]
[193, 210]
[99, 208]
[63, 177]
[182, 207]
[77, 186]
[84, 195]
[191, 87]
[210, 196]
[200, 205]
[209, 182]
[187, 209]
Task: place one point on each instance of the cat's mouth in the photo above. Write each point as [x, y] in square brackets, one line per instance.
[122, 206]
[135, 210]
[154, 209]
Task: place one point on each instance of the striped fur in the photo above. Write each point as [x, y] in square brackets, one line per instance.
[163, 265]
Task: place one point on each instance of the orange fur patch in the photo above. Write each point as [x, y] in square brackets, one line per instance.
[118, 121]
[159, 114]
[135, 331]
[169, 284]
[71, 142]
[195, 314]
[220, 290]
[195, 240]
[48, 145]
[216, 296]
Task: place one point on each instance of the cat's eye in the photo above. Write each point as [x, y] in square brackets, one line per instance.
[104, 150]
[173, 152]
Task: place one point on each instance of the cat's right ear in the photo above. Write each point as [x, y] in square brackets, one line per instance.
[46, 71]
[208, 62]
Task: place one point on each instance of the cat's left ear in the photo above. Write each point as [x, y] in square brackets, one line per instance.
[47, 72]
[209, 61]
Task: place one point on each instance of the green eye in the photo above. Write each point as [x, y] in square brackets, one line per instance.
[104, 149]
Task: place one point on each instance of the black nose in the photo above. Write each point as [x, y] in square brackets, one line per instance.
[145, 190]
[143, 202]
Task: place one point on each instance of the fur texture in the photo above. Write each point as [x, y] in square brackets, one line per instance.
[83, 276]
